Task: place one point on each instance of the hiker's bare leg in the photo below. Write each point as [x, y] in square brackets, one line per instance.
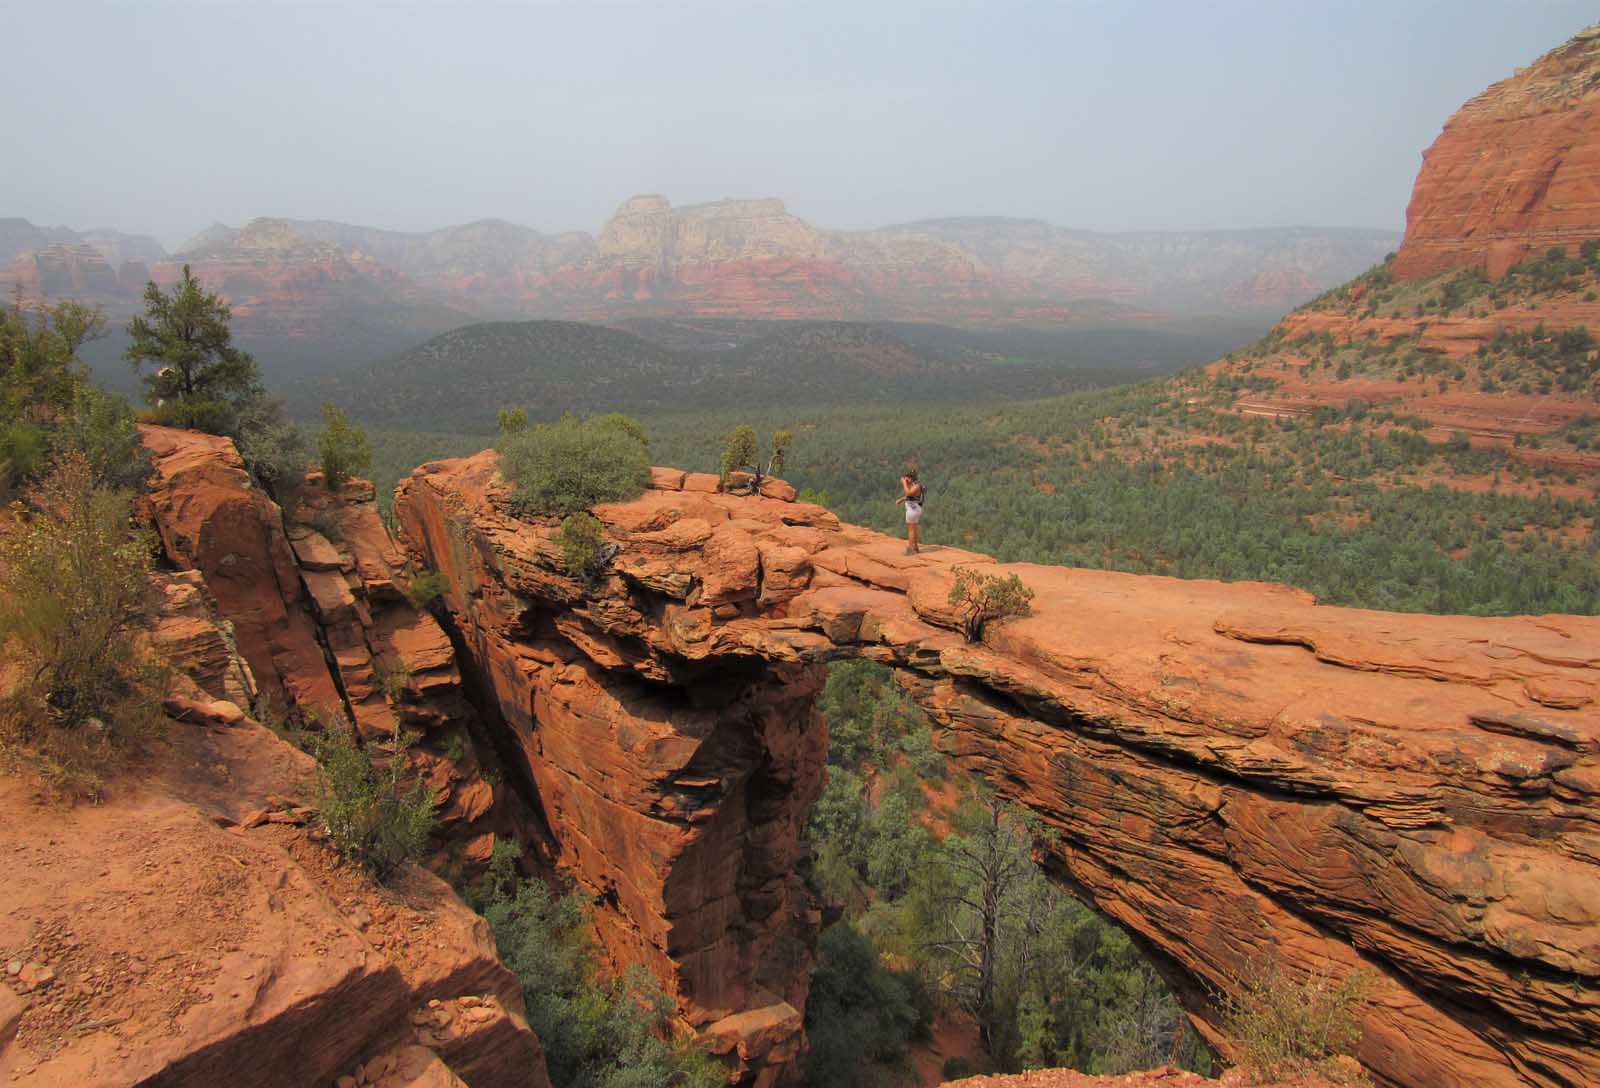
[911, 537]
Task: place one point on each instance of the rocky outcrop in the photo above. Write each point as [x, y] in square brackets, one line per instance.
[316, 604]
[280, 283]
[64, 270]
[191, 930]
[1516, 170]
[212, 519]
[1234, 771]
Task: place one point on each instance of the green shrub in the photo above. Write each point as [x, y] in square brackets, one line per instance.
[454, 748]
[374, 819]
[343, 449]
[511, 421]
[985, 597]
[426, 587]
[859, 1013]
[274, 450]
[956, 1068]
[595, 1034]
[583, 543]
[626, 424]
[572, 464]
[102, 426]
[47, 403]
[24, 448]
[1287, 1027]
[740, 452]
[73, 589]
[394, 682]
[780, 450]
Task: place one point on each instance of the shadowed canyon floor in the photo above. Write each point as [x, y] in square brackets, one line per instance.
[1234, 771]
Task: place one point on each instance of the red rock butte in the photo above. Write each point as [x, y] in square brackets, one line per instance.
[1232, 770]
[1515, 171]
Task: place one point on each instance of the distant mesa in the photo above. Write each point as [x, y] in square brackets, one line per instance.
[732, 258]
[1474, 333]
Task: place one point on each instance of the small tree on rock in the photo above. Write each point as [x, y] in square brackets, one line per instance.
[985, 597]
[343, 448]
[199, 379]
[743, 454]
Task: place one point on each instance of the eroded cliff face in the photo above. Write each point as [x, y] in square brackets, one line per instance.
[1234, 771]
[316, 604]
[191, 930]
[1516, 170]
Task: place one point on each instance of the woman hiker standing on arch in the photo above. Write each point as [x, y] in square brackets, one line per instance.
[911, 495]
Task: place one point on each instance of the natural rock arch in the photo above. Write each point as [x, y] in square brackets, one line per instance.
[1234, 771]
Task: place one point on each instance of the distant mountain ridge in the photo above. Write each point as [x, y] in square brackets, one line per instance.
[327, 296]
[755, 258]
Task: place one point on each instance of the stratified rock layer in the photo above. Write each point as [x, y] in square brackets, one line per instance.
[315, 602]
[1516, 170]
[1234, 771]
[189, 931]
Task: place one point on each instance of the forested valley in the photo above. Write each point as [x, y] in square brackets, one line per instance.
[1163, 477]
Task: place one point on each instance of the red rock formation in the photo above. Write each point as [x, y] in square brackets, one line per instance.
[1233, 770]
[213, 519]
[751, 258]
[1516, 170]
[188, 932]
[315, 602]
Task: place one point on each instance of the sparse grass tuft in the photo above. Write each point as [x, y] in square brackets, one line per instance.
[375, 820]
[1288, 1027]
[73, 589]
[583, 546]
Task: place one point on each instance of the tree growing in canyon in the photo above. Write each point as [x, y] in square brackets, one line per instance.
[583, 546]
[1287, 1027]
[343, 448]
[976, 903]
[197, 377]
[375, 818]
[47, 403]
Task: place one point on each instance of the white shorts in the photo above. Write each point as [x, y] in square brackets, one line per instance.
[913, 512]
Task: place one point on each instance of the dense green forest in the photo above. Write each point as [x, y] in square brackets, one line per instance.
[940, 906]
[656, 366]
[1159, 477]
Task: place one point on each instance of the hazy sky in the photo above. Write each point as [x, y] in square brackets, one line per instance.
[162, 117]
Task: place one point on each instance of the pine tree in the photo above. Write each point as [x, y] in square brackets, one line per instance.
[198, 379]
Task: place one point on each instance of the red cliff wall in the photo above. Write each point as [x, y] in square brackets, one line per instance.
[1516, 170]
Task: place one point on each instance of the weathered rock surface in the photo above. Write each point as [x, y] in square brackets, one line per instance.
[181, 933]
[1233, 770]
[316, 604]
[1516, 170]
[213, 520]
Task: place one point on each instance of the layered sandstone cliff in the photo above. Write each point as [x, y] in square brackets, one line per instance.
[1516, 170]
[192, 930]
[316, 603]
[1234, 771]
